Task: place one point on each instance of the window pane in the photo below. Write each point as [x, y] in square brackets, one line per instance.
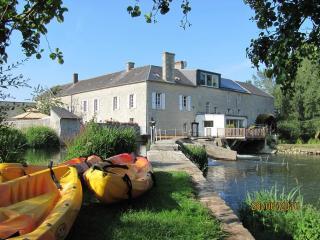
[215, 80]
[208, 123]
[209, 80]
[202, 79]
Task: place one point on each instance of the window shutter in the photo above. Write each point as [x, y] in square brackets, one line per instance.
[180, 102]
[189, 103]
[129, 101]
[153, 100]
[118, 99]
[134, 101]
[163, 101]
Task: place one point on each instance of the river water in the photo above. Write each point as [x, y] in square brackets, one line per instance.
[233, 179]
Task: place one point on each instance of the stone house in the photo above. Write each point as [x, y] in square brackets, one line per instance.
[172, 95]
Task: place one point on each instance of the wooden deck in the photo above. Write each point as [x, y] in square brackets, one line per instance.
[242, 133]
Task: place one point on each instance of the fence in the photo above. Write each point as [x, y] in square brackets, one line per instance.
[242, 133]
[21, 124]
[162, 134]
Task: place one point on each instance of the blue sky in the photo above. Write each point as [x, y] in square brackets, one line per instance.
[99, 37]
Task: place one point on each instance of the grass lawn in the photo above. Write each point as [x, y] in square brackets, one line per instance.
[168, 211]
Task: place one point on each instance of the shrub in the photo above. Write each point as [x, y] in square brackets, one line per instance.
[196, 153]
[104, 141]
[299, 141]
[289, 130]
[299, 224]
[313, 141]
[41, 137]
[12, 144]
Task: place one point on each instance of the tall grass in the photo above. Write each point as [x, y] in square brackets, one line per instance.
[41, 137]
[12, 144]
[104, 141]
[196, 153]
[300, 222]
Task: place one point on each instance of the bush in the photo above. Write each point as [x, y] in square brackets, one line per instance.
[313, 141]
[197, 154]
[289, 130]
[104, 141]
[12, 144]
[41, 137]
[299, 224]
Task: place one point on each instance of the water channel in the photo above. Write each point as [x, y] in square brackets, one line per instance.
[233, 179]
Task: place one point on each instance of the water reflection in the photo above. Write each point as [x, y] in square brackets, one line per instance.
[232, 180]
[43, 156]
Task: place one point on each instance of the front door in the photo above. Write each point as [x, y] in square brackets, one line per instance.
[208, 132]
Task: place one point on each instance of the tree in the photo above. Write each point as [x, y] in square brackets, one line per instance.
[162, 6]
[263, 82]
[290, 32]
[46, 98]
[7, 81]
[30, 18]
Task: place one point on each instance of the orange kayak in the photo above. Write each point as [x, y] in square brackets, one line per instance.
[10, 171]
[120, 177]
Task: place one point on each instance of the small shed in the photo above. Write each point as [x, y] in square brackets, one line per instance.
[65, 123]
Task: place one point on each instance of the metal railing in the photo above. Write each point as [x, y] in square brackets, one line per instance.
[163, 134]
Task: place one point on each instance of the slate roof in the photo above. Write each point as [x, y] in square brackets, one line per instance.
[151, 73]
[254, 90]
[63, 113]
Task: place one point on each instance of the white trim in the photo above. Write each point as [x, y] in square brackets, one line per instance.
[163, 101]
[98, 105]
[180, 103]
[153, 100]
[189, 103]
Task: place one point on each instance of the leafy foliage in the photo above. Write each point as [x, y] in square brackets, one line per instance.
[162, 6]
[263, 82]
[197, 154]
[29, 18]
[299, 224]
[41, 137]
[289, 33]
[7, 81]
[299, 114]
[104, 141]
[12, 144]
[46, 98]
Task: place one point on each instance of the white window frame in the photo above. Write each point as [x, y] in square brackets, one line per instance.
[116, 103]
[98, 105]
[214, 80]
[185, 103]
[85, 107]
[158, 100]
[132, 101]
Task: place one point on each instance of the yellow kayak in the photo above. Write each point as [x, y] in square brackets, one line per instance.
[122, 177]
[40, 205]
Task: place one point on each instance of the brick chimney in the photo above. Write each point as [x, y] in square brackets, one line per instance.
[180, 65]
[75, 78]
[130, 65]
[168, 66]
